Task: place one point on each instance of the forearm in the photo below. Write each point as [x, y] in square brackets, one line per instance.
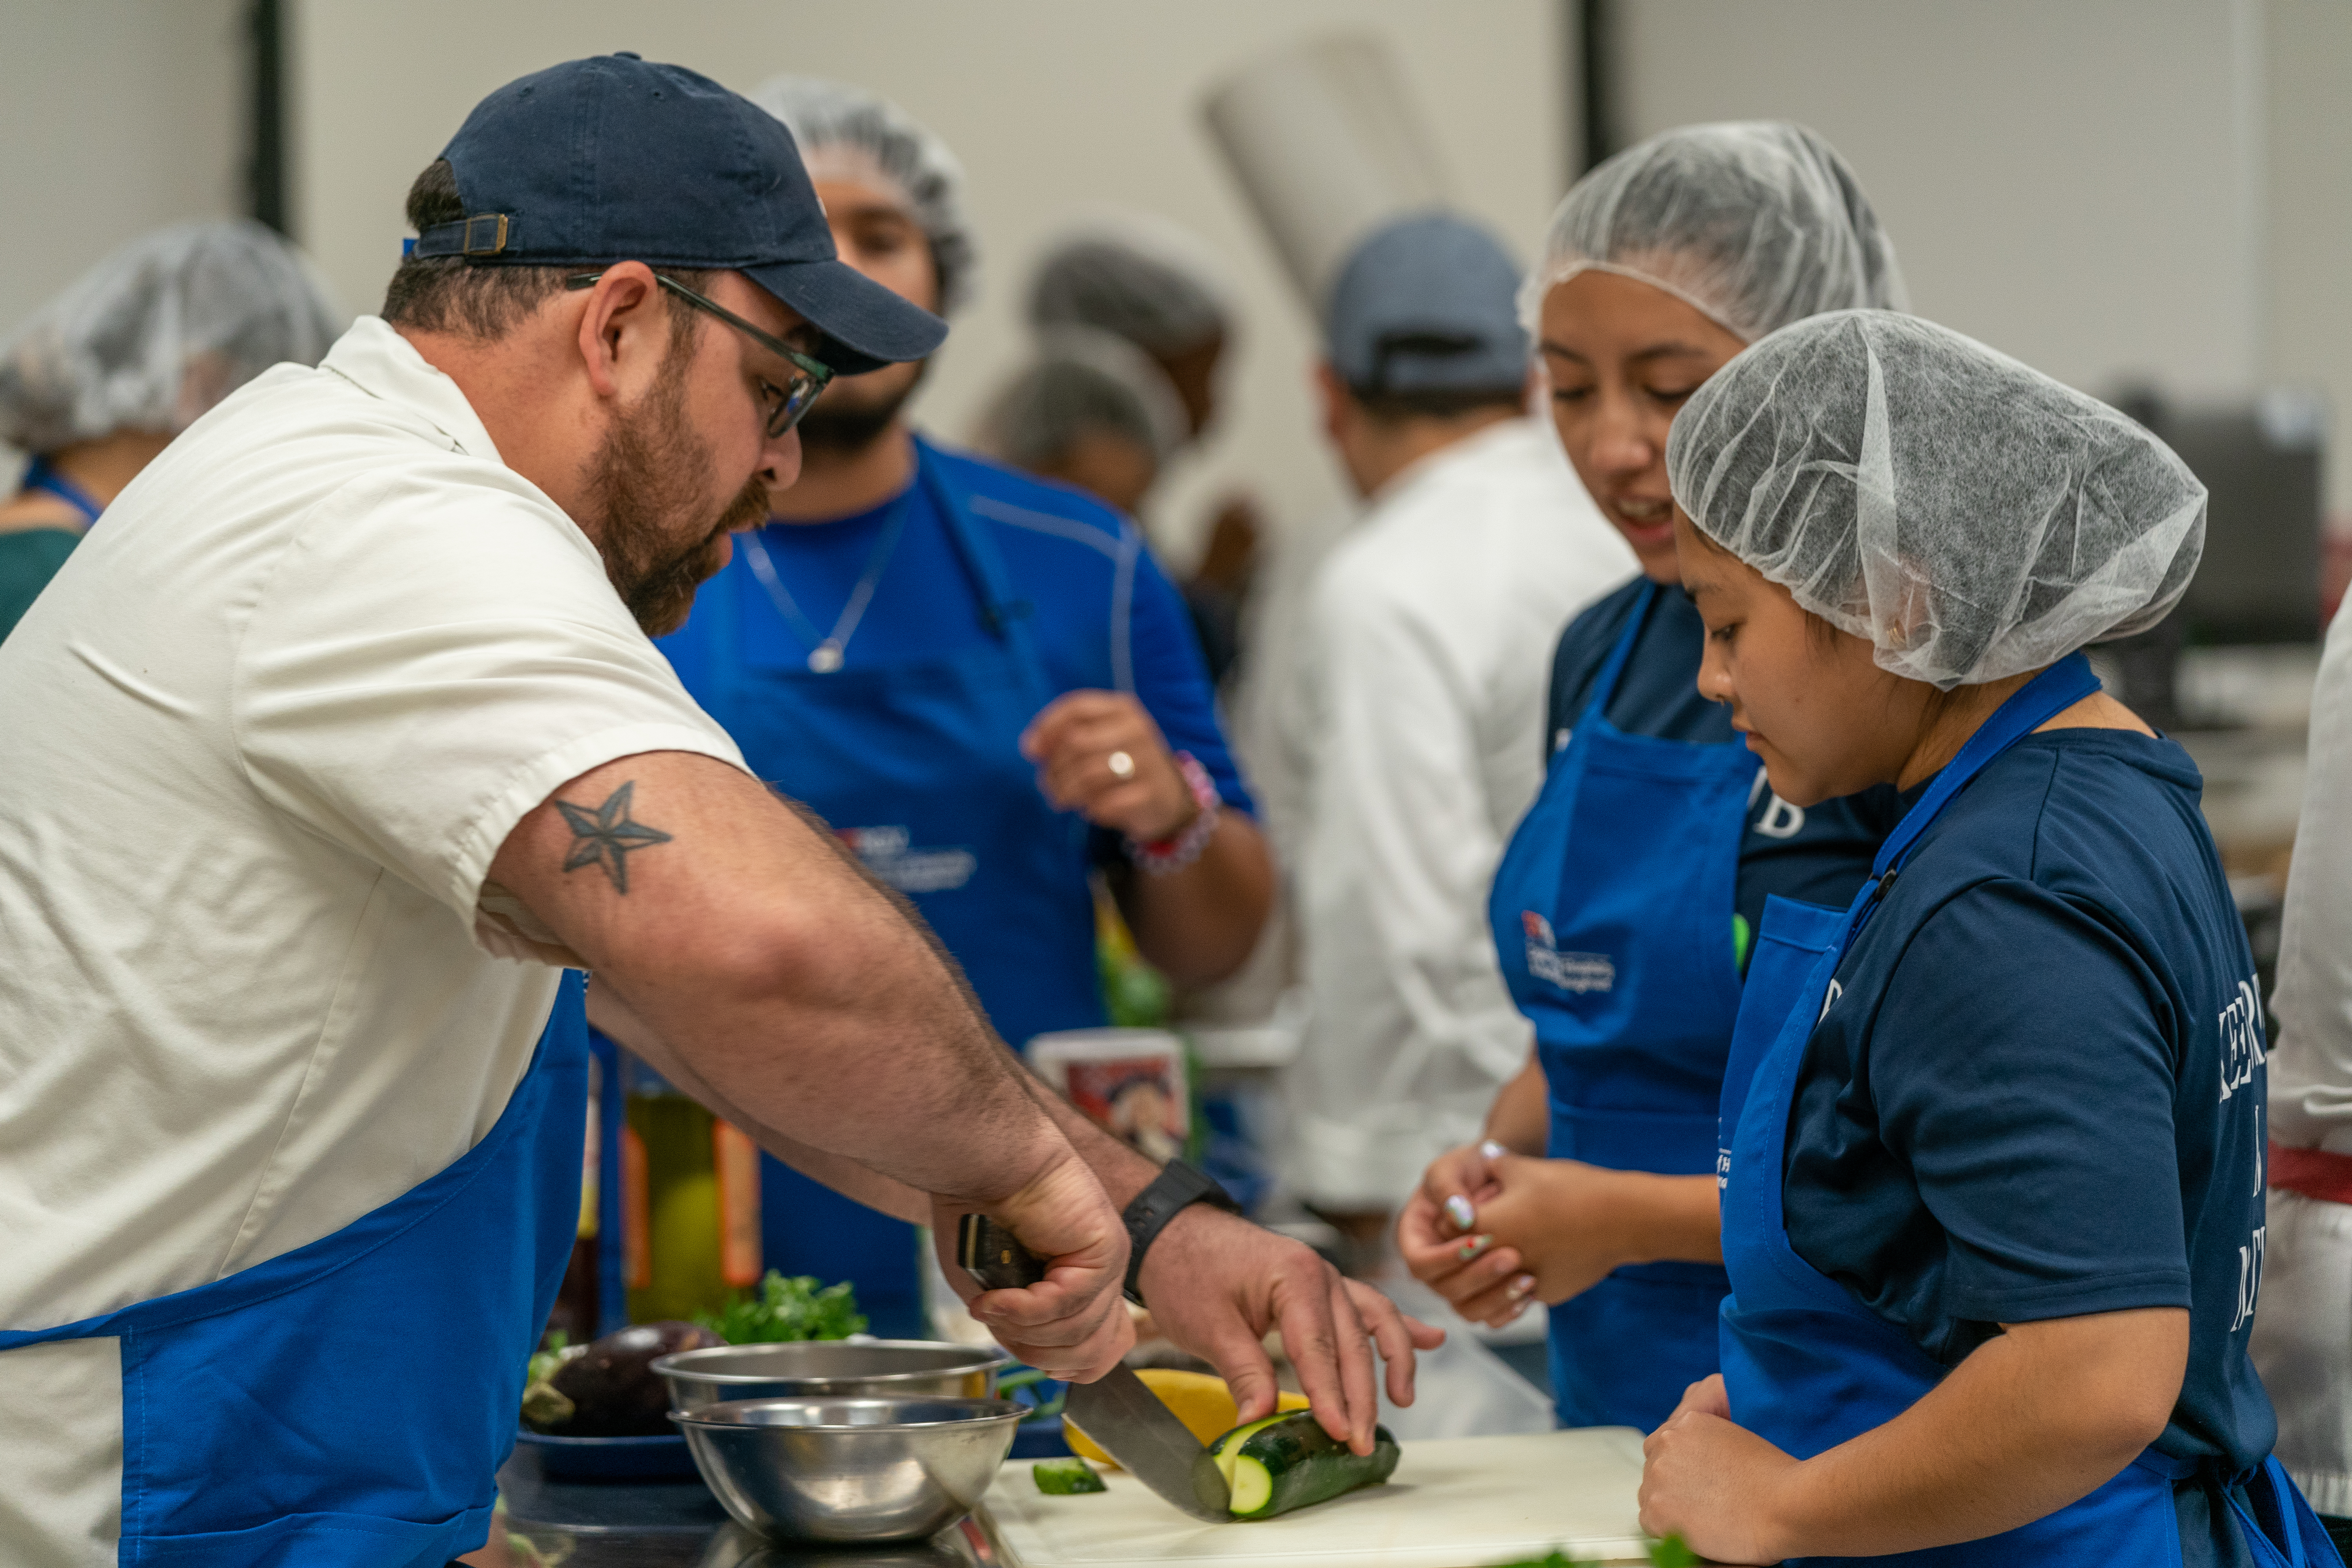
[2029, 1422]
[1198, 924]
[1667, 1219]
[1520, 1118]
[784, 979]
[842, 1174]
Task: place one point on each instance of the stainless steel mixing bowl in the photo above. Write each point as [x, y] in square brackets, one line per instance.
[840, 1468]
[807, 1368]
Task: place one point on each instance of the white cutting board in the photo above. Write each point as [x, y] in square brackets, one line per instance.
[1455, 1502]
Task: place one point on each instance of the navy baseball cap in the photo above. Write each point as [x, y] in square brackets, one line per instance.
[1426, 304]
[613, 159]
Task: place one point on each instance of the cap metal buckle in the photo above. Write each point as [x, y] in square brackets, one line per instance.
[498, 241]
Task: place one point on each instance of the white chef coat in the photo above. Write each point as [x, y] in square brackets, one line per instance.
[1428, 650]
[2302, 1340]
[265, 731]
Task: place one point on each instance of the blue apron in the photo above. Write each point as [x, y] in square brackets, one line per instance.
[918, 764]
[1806, 1365]
[349, 1403]
[1611, 911]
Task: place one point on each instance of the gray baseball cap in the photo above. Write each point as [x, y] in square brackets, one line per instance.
[1426, 304]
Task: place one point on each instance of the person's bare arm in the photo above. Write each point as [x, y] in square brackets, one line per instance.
[1520, 1118]
[2038, 1416]
[790, 986]
[839, 1172]
[1197, 925]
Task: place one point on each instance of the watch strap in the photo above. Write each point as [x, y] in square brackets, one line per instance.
[1176, 1188]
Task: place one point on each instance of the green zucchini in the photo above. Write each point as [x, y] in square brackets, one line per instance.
[1066, 1476]
[1287, 1461]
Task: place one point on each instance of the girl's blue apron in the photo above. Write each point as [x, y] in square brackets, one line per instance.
[1611, 911]
[349, 1403]
[930, 749]
[1805, 1364]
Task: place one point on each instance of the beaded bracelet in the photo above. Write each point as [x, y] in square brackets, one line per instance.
[1174, 854]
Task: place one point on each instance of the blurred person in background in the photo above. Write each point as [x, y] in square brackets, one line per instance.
[981, 681]
[1625, 907]
[2303, 1335]
[1422, 688]
[104, 377]
[1155, 284]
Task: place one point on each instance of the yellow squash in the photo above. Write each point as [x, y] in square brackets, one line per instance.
[1201, 1401]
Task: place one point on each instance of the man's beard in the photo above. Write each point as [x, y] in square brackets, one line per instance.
[835, 428]
[648, 457]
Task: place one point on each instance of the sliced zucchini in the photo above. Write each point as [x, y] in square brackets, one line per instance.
[1287, 1461]
[1067, 1478]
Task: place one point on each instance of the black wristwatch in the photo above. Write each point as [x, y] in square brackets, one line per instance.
[1176, 1188]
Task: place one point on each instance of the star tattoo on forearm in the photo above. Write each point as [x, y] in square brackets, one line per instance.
[606, 836]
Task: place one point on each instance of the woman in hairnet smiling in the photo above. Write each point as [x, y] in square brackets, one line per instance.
[1993, 1205]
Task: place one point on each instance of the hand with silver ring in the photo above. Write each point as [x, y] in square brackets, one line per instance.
[1100, 753]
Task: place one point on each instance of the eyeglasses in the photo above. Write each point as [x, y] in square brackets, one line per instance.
[784, 406]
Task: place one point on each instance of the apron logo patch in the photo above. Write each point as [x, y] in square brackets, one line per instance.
[1573, 972]
[887, 852]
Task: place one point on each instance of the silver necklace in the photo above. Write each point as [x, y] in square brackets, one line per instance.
[828, 649]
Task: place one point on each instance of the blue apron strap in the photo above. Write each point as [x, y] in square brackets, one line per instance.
[39, 475]
[1604, 685]
[2028, 708]
[998, 611]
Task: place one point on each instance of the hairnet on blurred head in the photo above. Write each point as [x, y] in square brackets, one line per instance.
[848, 134]
[1967, 515]
[159, 331]
[1755, 223]
[1136, 276]
[1084, 381]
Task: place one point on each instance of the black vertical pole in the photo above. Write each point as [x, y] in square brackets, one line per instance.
[1596, 80]
[265, 169]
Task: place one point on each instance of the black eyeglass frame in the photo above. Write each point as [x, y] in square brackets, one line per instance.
[791, 401]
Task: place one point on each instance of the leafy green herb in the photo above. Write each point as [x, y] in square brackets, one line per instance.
[1671, 1552]
[550, 1356]
[793, 1308]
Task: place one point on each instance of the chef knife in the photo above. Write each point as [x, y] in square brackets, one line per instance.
[1116, 1410]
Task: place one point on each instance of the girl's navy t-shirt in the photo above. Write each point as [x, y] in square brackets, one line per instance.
[2038, 1092]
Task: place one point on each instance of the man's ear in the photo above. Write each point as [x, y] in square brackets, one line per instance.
[1337, 402]
[622, 320]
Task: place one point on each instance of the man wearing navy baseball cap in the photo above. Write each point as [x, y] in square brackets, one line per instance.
[333, 749]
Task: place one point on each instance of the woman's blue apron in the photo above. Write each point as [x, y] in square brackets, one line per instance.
[1805, 1364]
[347, 1404]
[1611, 911]
[919, 765]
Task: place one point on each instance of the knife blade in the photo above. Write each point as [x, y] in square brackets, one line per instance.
[1117, 1410]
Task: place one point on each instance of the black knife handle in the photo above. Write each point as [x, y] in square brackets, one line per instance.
[992, 1255]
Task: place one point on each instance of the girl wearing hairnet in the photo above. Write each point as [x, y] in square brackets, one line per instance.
[104, 377]
[1992, 1198]
[1625, 906]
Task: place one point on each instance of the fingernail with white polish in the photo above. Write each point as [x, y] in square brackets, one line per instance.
[1474, 1246]
[1491, 1150]
[1458, 1210]
[1522, 1285]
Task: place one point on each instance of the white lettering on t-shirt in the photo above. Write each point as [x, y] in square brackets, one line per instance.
[1829, 1000]
[2250, 1278]
[2242, 1039]
[1780, 819]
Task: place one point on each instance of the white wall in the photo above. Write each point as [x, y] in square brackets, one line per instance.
[2108, 189]
[1054, 106]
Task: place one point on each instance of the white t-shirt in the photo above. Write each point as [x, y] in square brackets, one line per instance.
[1427, 649]
[263, 734]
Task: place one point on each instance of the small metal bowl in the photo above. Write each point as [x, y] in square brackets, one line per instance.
[804, 1369]
[837, 1468]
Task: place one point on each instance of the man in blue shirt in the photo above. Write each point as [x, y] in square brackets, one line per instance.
[981, 680]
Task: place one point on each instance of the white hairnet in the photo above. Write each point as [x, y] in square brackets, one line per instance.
[159, 331]
[1136, 276]
[847, 132]
[1755, 223]
[1084, 380]
[1969, 517]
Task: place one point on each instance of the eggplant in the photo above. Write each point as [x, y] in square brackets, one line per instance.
[612, 1388]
